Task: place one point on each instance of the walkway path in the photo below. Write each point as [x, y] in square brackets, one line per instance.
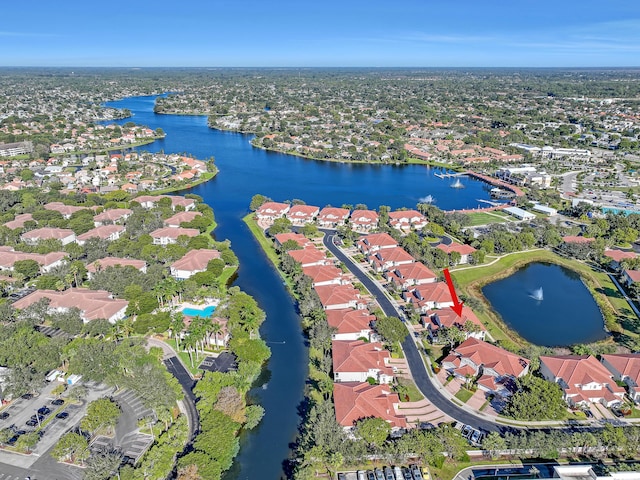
[624, 294]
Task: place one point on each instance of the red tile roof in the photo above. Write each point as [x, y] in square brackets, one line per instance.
[347, 320]
[619, 255]
[171, 232]
[302, 211]
[103, 231]
[331, 295]
[456, 247]
[107, 262]
[497, 359]
[300, 239]
[578, 370]
[181, 217]
[47, 232]
[354, 401]
[196, 260]
[322, 273]
[112, 215]
[448, 318]
[634, 275]
[576, 239]
[307, 255]
[359, 356]
[627, 364]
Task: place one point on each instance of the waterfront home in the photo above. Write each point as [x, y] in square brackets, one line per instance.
[387, 258]
[269, 211]
[302, 214]
[494, 369]
[583, 379]
[309, 256]
[428, 296]
[193, 262]
[335, 297]
[114, 215]
[181, 217]
[281, 238]
[331, 217]
[48, 261]
[169, 235]
[577, 239]
[617, 256]
[406, 220]
[103, 232]
[150, 201]
[625, 367]
[19, 221]
[363, 221]
[93, 304]
[465, 251]
[32, 237]
[108, 262]
[408, 275]
[324, 275]
[370, 244]
[447, 318]
[65, 210]
[354, 401]
[357, 361]
[350, 324]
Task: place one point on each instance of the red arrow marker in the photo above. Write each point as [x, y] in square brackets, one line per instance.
[457, 304]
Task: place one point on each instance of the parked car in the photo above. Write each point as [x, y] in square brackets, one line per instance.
[12, 440]
[362, 475]
[416, 472]
[466, 431]
[342, 476]
[31, 423]
[476, 436]
[388, 474]
[407, 474]
[4, 415]
[379, 474]
[370, 475]
[57, 402]
[27, 396]
[398, 473]
[44, 411]
[62, 415]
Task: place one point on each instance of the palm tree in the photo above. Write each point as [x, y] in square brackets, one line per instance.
[216, 328]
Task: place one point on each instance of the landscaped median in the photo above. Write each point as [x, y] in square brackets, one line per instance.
[470, 281]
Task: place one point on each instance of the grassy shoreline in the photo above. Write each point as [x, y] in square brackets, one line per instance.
[471, 281]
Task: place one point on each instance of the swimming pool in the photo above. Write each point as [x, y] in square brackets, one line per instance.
[196, 312]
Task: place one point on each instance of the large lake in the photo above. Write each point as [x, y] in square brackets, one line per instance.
[245, 171]
[547, 305]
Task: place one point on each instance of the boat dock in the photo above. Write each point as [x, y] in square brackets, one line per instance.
[450, 175]
[493, 204]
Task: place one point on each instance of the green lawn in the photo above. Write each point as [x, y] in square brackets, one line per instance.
[482, 218]
[464, 395]
[184, 356]
[407, 387]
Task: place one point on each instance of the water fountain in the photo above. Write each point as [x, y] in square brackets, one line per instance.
[537, 294]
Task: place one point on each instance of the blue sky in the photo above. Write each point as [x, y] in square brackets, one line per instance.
[425, 33]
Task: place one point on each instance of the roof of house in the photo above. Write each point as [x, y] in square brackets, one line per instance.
[377, 240]
[307, 255]
[497, 359]
[300, 239]
[273, 207]
[348, 320]
[19, 221]
[181, 217]
[195, 260]
[394, 254]
[577, 370]
[354, 401]
[634, 275]
[448, 318]
[112, 215]
[577, 239]
[437, 292]
[359, 356]
[8, 257]
[322, 273]
[170, 232]
[48, 232]
[619, 255]
[107, 262]
[303, 211]
[456, 247]
[93, 303]
[413, 271]
[62, 208]
[337, 294]
[103, 231]
[331, 213]
[406, 215]
[627, 364]
[363, 217]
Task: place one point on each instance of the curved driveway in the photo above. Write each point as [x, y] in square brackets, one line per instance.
[412, 355]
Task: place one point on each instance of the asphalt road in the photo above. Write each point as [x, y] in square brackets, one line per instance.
[412, 355]
[177, 370]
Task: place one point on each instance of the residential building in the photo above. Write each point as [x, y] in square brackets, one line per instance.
[357, 361]
[429, 296]
[8, 257]
[519, 213]
[630, 276]
[350, 324]
[19, 221]
[465, 251]
[324, 275]
[108, 262]
[93, 304]
[408, 275]
[309, 256]
[446, 317]
[373, 242]
[114, 215]
[32, 237]
[180, 218]
[302, 214]
[495, 369]
[388, 258]
[281, 238]
[354, 401]
[625, 367]
[169, 235]
[583, 379]
[331, 217]
[103, 232]
[269, 211]
[406, 220]
[335, 297]
[363, 221]
[65, 210]
[617, 256]
[193, 262]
